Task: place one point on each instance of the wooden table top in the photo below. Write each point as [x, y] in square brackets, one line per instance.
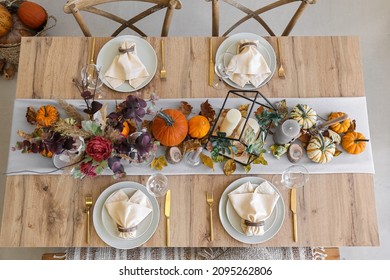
[333, 209]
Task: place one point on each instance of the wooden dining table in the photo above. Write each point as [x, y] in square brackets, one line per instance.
[333, 209]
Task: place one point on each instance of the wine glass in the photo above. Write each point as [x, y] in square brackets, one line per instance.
[224, 68]
[92, 78]
[157, 185]
[295, 176]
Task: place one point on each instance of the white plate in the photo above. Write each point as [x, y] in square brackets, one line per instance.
[145, 52]
[238, 235]
[110, 225]
[119, 242]
[265, 49]
[235, 219]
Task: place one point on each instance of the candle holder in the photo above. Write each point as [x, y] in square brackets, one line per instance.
[242, 125]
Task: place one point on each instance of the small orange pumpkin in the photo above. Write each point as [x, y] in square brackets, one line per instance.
[5, 21]
[354, 142]
[170, 127]
[47, 115]
[198, 126]
[126, 129]
[32, 15]
[339, 127]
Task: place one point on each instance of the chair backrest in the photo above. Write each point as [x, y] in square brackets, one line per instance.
[75, 6]
[255, 14]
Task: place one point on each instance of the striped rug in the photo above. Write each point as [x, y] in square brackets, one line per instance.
[252, 253]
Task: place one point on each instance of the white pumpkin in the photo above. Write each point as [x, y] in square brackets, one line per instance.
[304, 115]
[321, 149]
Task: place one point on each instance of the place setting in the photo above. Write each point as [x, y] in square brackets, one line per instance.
[244, 61]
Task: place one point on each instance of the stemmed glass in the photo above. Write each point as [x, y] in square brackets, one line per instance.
[92, 78]
[224, 68]
[157, 185]
[295, 176]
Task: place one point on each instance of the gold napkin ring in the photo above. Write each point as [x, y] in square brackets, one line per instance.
[254, 224]
[122, 229]
[244, 45]
[128, 50]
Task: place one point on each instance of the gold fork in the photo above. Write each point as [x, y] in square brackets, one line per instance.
[163, 72]
[210, 201]
[281, 73]
[88, 204]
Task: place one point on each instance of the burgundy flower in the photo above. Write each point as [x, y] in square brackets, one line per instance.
[87, 169]
[99, 148]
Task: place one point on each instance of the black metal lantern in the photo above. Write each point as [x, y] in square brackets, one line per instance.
[239, 131]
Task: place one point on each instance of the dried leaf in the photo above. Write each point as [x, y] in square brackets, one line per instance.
[305, 137]
[244, 110]
[185, 108]
[190, 145]
[337, 152]
[207, 111]
[218, 158]
[206, 160]
[229, 167]
[336, 138]
[281, 107]
[25, 135]
[352, 128]
[260, 160]
[279, 150]
[247, 168]
[159, 163]
[31, 115]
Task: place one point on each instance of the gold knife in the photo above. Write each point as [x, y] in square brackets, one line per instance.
[168, 214]
[293, 207]
[211, 64]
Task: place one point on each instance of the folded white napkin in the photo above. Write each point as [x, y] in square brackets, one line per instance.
[249, 65]
[254, 204]
[126, 66]
[128, 213]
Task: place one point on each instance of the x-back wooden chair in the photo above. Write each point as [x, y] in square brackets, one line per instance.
[75, 6]
[255, 14]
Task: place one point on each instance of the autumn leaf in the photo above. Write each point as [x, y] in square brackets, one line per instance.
[260, 160]
[279, 150]
[352, 127]
[281, 107]
[229, 167]
[31, 115]
[185, 108]
[159, 163]
[244, 110]
[207, 111]
[337, 152]
[190, 145]
[206, 160]
[247, 168]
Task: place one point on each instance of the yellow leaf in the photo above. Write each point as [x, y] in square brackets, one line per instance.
[159, 163]
[206, 160]
[247, 168]
[260, 160]
[229, 167]
[337, 152]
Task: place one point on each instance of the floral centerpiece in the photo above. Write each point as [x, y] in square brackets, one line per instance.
[90, 145]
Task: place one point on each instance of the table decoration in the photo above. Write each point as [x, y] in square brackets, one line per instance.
[361, 163]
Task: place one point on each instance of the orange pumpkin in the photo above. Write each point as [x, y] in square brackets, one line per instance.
[170, 127]
[339, 127]
[198, 127]
[5, 21]
[32, 15]
[47, 115]
[354, 142]
[126, 129]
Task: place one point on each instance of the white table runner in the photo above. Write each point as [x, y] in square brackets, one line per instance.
[345, 163]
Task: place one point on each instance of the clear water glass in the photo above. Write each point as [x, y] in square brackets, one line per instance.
[92, 78]
[224, 67]
[295, 176]
[157, 185]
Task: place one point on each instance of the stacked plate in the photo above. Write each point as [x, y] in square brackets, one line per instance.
[145, 52]
[266, 50]
[232, 222]
[106, 227]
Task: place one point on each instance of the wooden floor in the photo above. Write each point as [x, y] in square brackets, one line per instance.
[332, 254]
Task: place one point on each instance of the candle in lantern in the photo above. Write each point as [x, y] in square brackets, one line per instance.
[230, 122]
[287, 132]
